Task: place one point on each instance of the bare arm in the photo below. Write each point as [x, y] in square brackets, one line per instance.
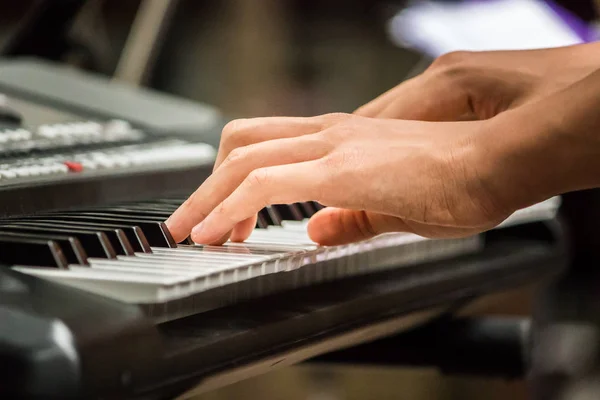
[548, 147]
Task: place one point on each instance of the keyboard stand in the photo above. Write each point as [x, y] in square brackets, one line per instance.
[495, 347]
[556, 349]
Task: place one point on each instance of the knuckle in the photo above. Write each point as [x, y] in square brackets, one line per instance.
[232, 132]
[235, 156]
[455, 71]
[335, 118]
[258, 178]
[332, 162]
[452, 59]
[341, 132]
[452, 66]
[362, 222]
[338, 161]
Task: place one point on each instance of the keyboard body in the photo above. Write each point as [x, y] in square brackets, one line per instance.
[73, 198]
[44, 93]
[101, 347]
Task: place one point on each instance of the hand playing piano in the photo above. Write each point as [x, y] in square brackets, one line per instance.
[486, 158]
[421, 177]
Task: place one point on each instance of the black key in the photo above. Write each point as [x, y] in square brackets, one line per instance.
[147, 206]
[296, 212]
[317, 206]
[153, 215]
[168, 202]
[95, 244]
[70, 246]
[284, 212]
[158, 212]
[153, 225]
[274, 214]
[261, 222]
[156, 232]
[133, 234]
[24, 250]
[116, 237]
[266, 217]
[308, 210]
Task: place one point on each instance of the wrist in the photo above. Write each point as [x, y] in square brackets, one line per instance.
[527, 157]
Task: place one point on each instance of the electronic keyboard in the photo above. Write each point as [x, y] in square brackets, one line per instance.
[126, 253]
[97, 299]
[78, 163]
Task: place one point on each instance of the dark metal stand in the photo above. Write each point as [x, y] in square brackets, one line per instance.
[494, 347]
[557, 350]
[565, 338]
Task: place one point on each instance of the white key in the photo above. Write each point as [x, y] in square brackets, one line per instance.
[129, 287]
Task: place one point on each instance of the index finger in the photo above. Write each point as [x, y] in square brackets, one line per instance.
[244, 132]
[233, 171]
[281, 184]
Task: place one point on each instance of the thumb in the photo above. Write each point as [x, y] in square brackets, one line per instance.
[334, 226]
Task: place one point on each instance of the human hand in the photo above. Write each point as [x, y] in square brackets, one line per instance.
[421, 177]
[480, 85]
[434, 179]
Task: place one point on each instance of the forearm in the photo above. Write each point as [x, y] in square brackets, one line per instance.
[548, 147]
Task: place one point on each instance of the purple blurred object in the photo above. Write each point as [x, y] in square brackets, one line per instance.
[577, 25]
[437, 27]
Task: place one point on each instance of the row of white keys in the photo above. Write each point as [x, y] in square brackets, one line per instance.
[291, 255]
[213, 268]
[190, 269]
[227, 248]
[195, 268]
[173, 274]
[128, 287]
[196, 275]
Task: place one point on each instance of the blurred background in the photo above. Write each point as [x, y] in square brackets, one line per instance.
[296, 57]
[267, 57]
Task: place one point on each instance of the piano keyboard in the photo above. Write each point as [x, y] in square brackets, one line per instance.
[126, 253]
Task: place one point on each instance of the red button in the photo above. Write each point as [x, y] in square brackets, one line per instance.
[74, 166]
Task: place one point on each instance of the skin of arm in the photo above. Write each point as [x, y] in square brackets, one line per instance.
[546, 148]
[479, 85]
[437, 179]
